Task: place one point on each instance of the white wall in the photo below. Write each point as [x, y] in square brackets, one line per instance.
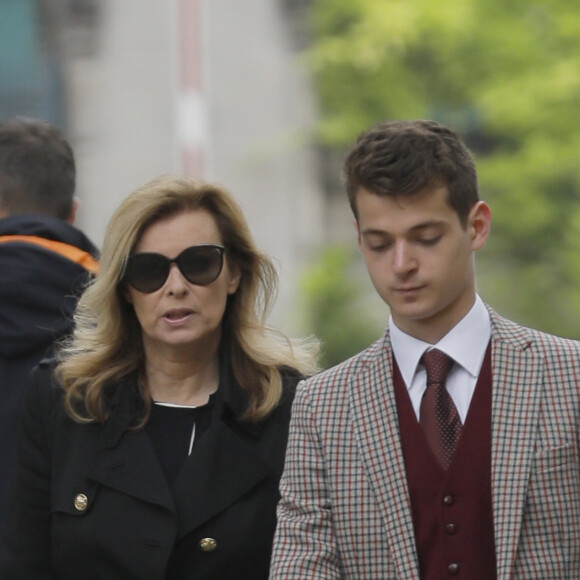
[261, 116]
[125, 119]
[121, 112]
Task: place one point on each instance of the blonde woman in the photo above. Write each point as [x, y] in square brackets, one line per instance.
[153, 445]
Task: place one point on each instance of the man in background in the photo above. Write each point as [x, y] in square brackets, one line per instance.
[450, 448]
[44, 261]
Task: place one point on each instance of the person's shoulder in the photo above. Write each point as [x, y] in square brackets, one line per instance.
[340, 375]
[43, 387]
[291, 377]
[45, 370]
[507, 330]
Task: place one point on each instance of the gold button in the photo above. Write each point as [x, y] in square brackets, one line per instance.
[81, 502]
[207, 544]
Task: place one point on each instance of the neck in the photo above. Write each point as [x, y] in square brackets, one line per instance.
[433, 329]
[182, 381]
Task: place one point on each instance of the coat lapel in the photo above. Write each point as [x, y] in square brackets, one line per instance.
[127, 461]
[377, 426]
[225, 464]
[222, 468]
[517, 385]
[133, 468]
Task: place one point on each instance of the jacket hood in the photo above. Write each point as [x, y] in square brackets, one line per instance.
[38, 287]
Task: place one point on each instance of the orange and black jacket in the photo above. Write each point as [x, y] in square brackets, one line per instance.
[44, 264]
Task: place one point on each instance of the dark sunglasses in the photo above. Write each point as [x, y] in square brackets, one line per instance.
[200, 265]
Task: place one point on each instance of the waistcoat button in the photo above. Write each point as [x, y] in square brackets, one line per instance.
[453, 569]
[450, 529]
[448, 500]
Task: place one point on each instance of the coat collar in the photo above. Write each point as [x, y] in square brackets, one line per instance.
[126, 403]
[223, 467]
[124, 409]
[232, 401]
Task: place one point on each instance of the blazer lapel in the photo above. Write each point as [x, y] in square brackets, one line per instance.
[372, 395]
[517, 385]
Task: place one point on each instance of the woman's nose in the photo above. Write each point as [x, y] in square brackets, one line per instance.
[176, 282]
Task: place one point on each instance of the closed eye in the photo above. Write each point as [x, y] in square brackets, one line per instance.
[431, 241]
[379, 246]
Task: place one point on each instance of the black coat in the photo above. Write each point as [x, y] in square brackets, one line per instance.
[91, 502]
[38, 293]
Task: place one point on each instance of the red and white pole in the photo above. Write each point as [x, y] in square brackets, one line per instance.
[192, 123]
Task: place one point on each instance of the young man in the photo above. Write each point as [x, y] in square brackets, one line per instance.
[44, 261]
[450, 447]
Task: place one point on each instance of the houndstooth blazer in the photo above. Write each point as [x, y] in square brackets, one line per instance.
[345, 509]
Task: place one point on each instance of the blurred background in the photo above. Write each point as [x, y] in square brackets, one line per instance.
[263, 96]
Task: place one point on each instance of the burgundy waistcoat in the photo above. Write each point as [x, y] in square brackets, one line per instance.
[452, 512]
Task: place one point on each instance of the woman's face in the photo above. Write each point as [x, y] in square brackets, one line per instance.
[182, 316]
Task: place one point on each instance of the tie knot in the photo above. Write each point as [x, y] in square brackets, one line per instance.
[437, 364]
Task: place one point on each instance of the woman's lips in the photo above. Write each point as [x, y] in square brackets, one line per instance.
[177, 315]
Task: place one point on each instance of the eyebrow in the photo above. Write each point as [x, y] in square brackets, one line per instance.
[416, 228]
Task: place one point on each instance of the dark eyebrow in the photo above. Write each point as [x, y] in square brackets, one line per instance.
[416, 228]
[428, 224]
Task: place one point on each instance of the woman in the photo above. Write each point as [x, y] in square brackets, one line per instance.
[153, 446]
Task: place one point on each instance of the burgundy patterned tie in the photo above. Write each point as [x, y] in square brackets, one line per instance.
[438, 415]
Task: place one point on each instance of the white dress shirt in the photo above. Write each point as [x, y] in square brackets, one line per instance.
[465, 343]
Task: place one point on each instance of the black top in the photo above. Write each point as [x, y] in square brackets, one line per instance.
[170, 429]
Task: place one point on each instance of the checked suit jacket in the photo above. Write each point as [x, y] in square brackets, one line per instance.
[345, 509]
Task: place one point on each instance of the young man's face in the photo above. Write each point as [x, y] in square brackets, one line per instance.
[419, 257]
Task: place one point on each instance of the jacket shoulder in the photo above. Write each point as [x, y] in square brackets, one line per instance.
[44, 395]
[335, 381]
[44, 373]
[290, 380]
[517, 334]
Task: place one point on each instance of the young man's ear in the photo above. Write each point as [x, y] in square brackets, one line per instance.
[479, 223]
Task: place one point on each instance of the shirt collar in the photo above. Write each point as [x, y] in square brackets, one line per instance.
[465, 343]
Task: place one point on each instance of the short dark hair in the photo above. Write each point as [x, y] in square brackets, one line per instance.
[402, 158]
[37, 168]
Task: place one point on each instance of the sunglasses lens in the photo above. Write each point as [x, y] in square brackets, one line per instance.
[147, 272]
[201, 265]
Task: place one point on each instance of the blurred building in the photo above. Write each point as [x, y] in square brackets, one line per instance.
[209, 88]
[31, 76]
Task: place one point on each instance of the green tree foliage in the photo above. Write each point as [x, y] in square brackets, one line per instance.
[338, 307]
[506, 75]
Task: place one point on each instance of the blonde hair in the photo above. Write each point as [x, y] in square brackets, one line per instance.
[106, 344]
